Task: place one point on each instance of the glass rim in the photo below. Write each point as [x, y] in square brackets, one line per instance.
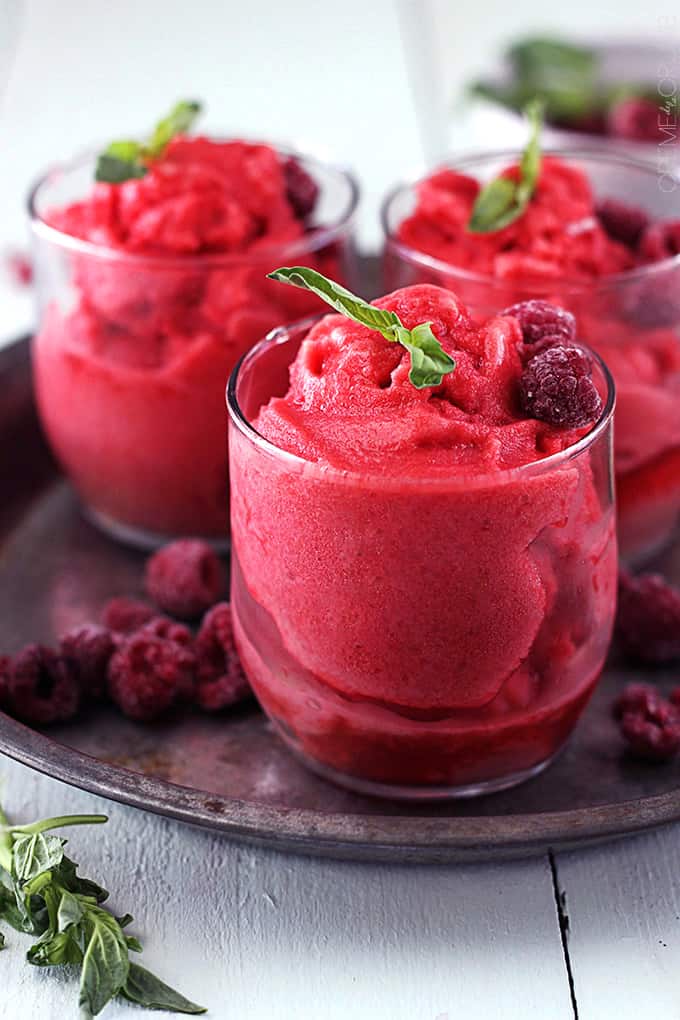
[469, 160]
[284, 334]
[316, 239]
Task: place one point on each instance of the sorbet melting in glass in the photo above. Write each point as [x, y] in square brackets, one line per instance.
[424, 560]
[153, 285]
[538, 230]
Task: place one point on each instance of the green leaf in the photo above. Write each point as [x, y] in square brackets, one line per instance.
[503, 200]
[70, 911]
[32, 855]
[105, 962]
[2, 941]
[429, 362]
[70, 878]
[134, 944]
[53, 950]
[545, 57]
[124, 160]
[147, 990]
[178, 122]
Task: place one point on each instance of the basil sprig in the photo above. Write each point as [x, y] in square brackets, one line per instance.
[41, 894]
[503, 200]
[429, 362]
[124, 160]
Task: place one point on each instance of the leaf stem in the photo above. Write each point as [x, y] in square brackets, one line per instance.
[60, 822]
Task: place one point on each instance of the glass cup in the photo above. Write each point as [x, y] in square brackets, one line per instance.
[631, 319]
[418, 637]
[132, 352]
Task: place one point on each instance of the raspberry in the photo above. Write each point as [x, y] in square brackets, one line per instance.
[557, 387]
[42, 687]
[124, 615]
[622, 222]
[302, 191]
[169, 630]
[648, 618]
[147, 675]
[638, 698]
[185, 578]
[635, 118]
[652, 731]
[221, 680]
[539, 319]
[660, 241]
[89, 649]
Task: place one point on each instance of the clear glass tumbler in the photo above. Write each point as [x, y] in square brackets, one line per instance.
[132, 353]
[631, 319]
[453, 665]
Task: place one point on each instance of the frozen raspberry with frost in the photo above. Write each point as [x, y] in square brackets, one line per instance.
[185, 578]
[660, 241]
[648, 618]
[89, 648]
[635, 118]
[124, 615]
[42, 687]
[221, 680]
[168, 630]
[540, 319]
[302, 191]
[622, 222]
[637, 698]
[557, 387]
[652, 731]
[147, 675]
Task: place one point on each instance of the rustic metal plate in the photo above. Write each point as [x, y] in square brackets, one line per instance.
[231, 773]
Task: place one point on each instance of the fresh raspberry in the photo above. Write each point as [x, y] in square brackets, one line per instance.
[124, 615]
[648, 618]
[302, 191]
[185, 578]
[539, 319]
[622, 222]
[557, 387]
[640, 698]
[147, 675]
[89, 648]
[43, 687]
[170, 630]
[221, 680]
[660, 241]
[635, 118]
[5, 668]
[652, 731]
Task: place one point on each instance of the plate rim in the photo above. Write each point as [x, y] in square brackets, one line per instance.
[386, 837]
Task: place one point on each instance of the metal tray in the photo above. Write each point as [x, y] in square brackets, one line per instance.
[231, 773]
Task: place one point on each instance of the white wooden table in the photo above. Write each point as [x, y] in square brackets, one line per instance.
[257, 935]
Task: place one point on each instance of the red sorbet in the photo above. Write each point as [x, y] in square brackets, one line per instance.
[130, 369]
[559, 249]
[415, 601]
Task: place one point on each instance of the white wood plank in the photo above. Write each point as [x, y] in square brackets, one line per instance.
[623, 904]
[263, 936]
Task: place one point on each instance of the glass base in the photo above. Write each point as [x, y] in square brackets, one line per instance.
[391, 791]
[139, 538]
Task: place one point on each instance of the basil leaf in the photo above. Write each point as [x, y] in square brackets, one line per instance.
[70, 911]
[146, 989]
[105, 961]
[113, 170]
[542, 58]
[178, 121]
[429, 362]
[2, 941]
[503, 200]
[55, 950]
[69, 878]
[32, 855]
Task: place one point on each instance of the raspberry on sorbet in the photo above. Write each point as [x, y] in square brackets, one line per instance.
[540, 319]
[648, 618]
[557, 387]
[42, 686]
[185, 578]
[89, 648]
[221, 680]
[622, 222]
[124, 615]
[147, 675]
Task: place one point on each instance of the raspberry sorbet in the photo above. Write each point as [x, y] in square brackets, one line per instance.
[423, 578]
[150, 291]
[596, 238]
